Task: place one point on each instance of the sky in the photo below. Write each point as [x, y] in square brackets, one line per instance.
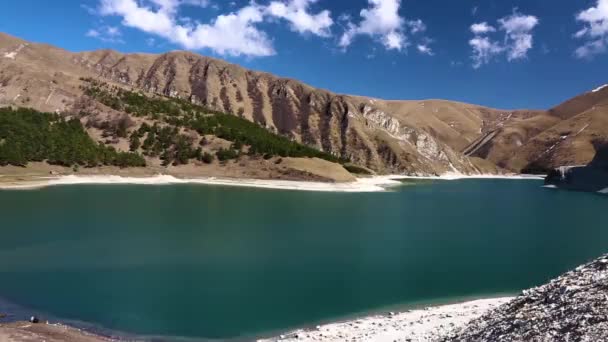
[500, 53]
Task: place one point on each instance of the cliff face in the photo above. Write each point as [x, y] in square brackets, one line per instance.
[414, 137]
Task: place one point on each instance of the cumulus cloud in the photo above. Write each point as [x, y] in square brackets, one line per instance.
[518, 29]
[234, 34]
[381, 21]
[482, 28]
[594, 31]
[518, 39]
[230, 34]
[297, 13]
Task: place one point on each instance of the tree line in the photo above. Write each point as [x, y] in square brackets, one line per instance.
[172, 147]
[27, 135]
[180, 113]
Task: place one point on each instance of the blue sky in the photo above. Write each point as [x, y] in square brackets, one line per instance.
[499, 53]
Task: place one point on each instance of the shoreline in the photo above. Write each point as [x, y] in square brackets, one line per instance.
[360, 185]
[424, 321]
[51, 332]
[413, 323]
[456, 176]
[370, 184]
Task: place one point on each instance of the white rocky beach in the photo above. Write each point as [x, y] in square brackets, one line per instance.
[363, 184]
[368, 184]
[420, 325]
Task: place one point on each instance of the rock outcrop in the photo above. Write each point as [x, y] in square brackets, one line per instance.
[572, 307]
[591, 178]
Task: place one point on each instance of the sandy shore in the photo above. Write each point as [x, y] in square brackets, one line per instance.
[424, 325]
[457, 176]
[369, 184]
[27, 332]
[364, 184]
[421, 325]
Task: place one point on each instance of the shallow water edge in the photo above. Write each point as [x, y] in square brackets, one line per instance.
[438, 307]
[363, 184]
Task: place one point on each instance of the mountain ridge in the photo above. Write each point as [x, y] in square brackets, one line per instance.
[389, 136]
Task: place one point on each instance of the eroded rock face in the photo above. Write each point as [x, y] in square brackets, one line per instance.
[572, 307]
[385, 121]
[363, 130]
[421, 141]
[415, 137]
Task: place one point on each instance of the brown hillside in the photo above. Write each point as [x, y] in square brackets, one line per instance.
[414, 137]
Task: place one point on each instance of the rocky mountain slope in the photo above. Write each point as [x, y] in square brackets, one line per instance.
[413, 137]
[537, 142]
[572, 307]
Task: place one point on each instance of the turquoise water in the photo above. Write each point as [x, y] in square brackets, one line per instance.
[220, 262]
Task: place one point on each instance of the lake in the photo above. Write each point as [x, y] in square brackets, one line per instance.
[214, 262]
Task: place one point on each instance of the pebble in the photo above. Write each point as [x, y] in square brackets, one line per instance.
[571, 307]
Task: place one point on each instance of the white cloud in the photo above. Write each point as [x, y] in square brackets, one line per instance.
[92, 33]
[233, 34]
[591, 48]
[108, 34]
[416, 26]
[345, 17]
[518, 29]
[517, 41]
[160, 22]
[484, 49]
[595, 30]
[113, 31]
[382, 21]
[425, 49]
[173, 5]
[481, 28]
[198, 3]
[296, 12]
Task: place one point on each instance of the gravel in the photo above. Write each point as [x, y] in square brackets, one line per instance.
[572, 307]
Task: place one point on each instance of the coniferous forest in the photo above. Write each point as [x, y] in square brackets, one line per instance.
[179, 113]
[27, 135]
